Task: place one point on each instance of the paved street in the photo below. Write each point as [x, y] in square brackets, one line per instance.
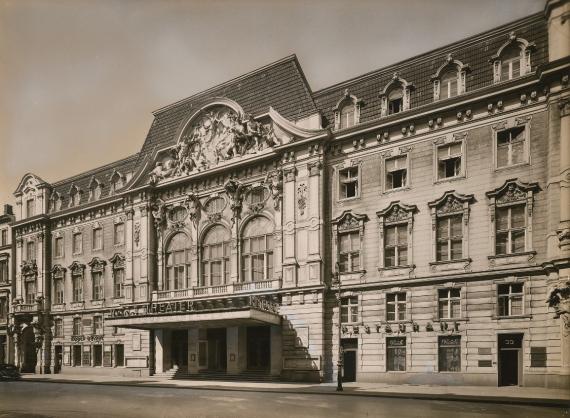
[43, 400]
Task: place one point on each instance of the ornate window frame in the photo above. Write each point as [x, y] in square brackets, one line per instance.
[394, 83]
[512, 193]
[95, 226]
[58, 236]
[347, 99]
[449, 204]
[205, 279]
[508, 124]
[347, 222]
[345, 165]
[97, 265]
[77, 269]
[526, 49]
[118, 263]
[396, 213]
[404, 151]
[462, 71]
[457, 138]
[95, 189]
[74, 233]
[58, 273]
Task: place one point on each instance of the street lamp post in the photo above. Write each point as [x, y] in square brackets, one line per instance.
[336, 282]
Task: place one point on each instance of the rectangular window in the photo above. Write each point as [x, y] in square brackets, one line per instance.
[59, 292]
[77, 243]
[348, 183]
[4, 278]
[449, 237]
[396, 354]
[449, 161]
[119, 279]
[4, 240]
[347, 116]
[511, 147]
[395, 101]
[449, 303]
[510, 299]
[119, 234]
[396, 245]
[349, 252]
[59, 247]
[77, 285]
[538, 356]
[30, 207]
[30, 288]
[77, 327]
[76, 355]
[97, 355]
[30, 251]
[58, 327]
[396, 306]
[349, 310]
[97, 285]
[449, 353]
[3, 312]
[510, 224]
[97, 238]
[119, 355]
[396, 172]
[97, 325]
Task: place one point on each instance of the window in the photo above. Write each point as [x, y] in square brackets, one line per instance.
[118, 282]
[257, 250]
[4, 277]
[348, 183]
[449, 303]
[119, 233]
[395, 101]
[97, 325]
[86, 360]
[59, 246]
[396, 306]
[119, 355]
[58, 327]
[177, 262]
[59, 290]
[77, 327]
[511, 147]
[511, 226]
[3, 312]
[97, 355]
[30, 207]
[396, 245]
[30, 289]
[215, 205]
[77, 243]
[349, 252]
[449, 353]
[77, 285]
[30, 251]
[349, 310]
[396, 354]
[97, 277]
[449, 161]
[538, 356]
[257, 195]
[178, 214]
[448, 85]
[396, 172]
[449, 236]
[510, 299]
[511, 63]
[4, 239]
[347, 114]
[97, 238]
[75, 198]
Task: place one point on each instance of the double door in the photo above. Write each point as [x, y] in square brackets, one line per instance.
[510, 359]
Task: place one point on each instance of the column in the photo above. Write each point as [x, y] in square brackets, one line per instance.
[276, 351]
[193, 337]
[232, 343]
[159, 346]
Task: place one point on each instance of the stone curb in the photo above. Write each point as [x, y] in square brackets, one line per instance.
[547, 402]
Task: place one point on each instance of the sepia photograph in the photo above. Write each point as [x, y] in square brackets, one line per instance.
[284, 208]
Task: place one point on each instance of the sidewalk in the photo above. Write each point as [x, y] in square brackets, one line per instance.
[515, 395]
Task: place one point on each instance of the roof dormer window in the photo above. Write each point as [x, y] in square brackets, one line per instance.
[395, 97]
[347, 111]
[513, 59]
[450, 79]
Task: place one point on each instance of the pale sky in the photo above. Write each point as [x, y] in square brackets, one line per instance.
[80, 78]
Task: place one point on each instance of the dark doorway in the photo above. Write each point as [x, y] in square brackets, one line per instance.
[217, 349]
[180, 348]
[29, 351]
[258, 348]
[510, 359]
[349, 347]
[76, 355]
[58, 358]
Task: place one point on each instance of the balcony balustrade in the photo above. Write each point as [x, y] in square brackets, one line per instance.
[26, 307]
[218, 290]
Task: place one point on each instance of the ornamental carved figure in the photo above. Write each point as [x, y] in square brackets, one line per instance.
[274, 180]
[302, 198]
[236, 191]
[216, 135]
[512, 194]
[559, 299]
[194, 206]
[158, 209]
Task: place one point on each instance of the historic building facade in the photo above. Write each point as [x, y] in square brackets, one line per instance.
[413, 221]
[6, 282]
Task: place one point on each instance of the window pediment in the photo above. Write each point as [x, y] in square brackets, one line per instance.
[397, 212]
[58, 270]
[451, 203]
[118, 261]
[450, 64]
[353, 117]
[97, 264]
[76, 268]
[349, 220]
[513, 190]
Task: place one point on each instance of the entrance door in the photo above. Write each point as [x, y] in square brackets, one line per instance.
[258, 348]
[180, 348]
[510, 359]
[217, 348]
[349, 366]
[58, 359]
[30, 354]
[202, 355]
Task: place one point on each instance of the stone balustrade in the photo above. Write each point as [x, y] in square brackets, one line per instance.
[218, 290]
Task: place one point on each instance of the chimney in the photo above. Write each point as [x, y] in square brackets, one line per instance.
[8, 210]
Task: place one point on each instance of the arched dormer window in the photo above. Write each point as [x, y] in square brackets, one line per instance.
[450, 79]
[117, 181]
[347, 111]
[95, 188]
[396, 96]
[512, 59]
[177, 262]
[74, 196]
[215, 259]
[257, 250]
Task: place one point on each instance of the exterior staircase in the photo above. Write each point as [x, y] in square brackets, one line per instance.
[218, 375]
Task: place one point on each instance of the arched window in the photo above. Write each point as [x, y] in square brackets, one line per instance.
[448, 85]
[177, 263]
[395, 101]
[347, 116]
[257, 250]
[511, 62]
[216, 256]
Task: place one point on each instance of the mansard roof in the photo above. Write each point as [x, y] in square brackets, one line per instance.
[475, 51]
